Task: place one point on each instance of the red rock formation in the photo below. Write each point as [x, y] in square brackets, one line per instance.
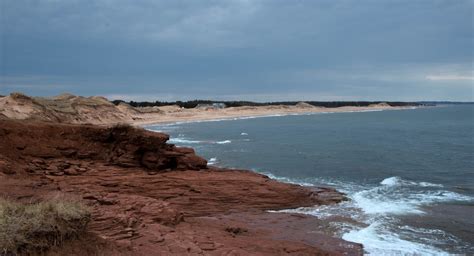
[119, 145]
[153, 198]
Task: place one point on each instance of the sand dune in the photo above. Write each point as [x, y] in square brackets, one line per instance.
[68, 108]
[64, 108]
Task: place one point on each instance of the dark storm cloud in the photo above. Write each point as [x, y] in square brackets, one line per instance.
[257, 50]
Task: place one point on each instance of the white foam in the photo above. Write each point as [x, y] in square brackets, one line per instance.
[188, 141]
[373, 203]
[183, 141]
[344, 209]
[396, 196]
[428, 184]
[212, 161]
[379, 207]
[443, 196]
[244, 134]
[392, 181]
[378, 241]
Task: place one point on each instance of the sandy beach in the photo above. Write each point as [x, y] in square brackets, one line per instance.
[172, 114]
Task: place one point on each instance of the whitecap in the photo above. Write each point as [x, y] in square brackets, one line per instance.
[398, 181]
[397, 196]
[392, 181]
[428, 184]
[244, 134]
[212, 161]
[183, 141]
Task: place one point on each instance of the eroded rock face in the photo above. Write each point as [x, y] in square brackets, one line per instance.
[123, 146]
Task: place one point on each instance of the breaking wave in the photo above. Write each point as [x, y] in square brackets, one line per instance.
[397, 181]
[377, 209]
[188, 141]
[212, 161]
[183, 141]
[377, 240]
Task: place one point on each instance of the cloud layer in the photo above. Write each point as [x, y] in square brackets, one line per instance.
[261, 49]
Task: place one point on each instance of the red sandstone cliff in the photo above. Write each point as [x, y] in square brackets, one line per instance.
[153, 198]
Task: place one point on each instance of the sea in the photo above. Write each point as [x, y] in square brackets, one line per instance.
[409, 174]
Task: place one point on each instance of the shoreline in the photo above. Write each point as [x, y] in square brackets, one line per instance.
[230, 114]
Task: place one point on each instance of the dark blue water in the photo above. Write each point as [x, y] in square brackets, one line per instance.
[408, 172]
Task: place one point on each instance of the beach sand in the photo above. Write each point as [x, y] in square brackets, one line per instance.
[172, 114]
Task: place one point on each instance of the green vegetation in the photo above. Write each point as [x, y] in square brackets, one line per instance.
[33, 228]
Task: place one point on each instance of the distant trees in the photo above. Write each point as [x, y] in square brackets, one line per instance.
[327, 104]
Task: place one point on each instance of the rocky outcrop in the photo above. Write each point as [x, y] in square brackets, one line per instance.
[63, 147]
[148, 197]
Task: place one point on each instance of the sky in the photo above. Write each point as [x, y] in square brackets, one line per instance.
[260, 50]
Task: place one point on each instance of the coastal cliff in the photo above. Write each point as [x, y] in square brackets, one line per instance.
[148, 197]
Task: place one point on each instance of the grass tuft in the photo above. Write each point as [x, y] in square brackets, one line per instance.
[33, 228]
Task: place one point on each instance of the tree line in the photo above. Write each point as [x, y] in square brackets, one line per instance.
[327, 104]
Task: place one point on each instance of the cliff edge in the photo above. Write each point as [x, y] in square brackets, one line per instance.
[148, 197]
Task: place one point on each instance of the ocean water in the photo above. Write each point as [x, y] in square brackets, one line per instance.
[409, 173]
